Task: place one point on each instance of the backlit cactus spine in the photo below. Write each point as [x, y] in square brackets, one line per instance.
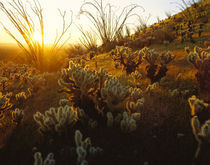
[49, 160]
[56, 120]
[84, 148]
[4, 104]
[200, 123]
[157, 67]
[128, 58]
[114, 94]
[78, 82]
[201, 61]
[17, 115]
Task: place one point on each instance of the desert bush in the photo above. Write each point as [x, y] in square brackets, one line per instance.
[128, 58]
[157, 67]
[189, 13]
[163, 34]
[200, 59]
[107, 24]
[143, 23]
[75, 50]
[88, 39]
[168, 14]
[23, 19]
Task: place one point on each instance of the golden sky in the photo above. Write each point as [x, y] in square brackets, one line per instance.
[53, 20]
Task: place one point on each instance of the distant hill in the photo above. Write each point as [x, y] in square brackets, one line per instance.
[169, 30]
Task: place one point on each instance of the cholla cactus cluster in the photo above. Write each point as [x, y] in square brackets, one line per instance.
[151, 56]
[136, 75]
[178, 92]
[106, 91]
[135, 106]
[136, 100]
[17, 115]
[84, 148]
[128, 124]
[56, 120]
[16, 78]
[4, 104]
[114, 93]
[110, 119]
[78, 80]
[201, 132]
[196, 105]
[102, 77]
[151, 89]
[49, 160]
[129, 59]
[157, 63]
[63, 102]
[200, 59]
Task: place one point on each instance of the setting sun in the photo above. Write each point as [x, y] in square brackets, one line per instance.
[37, 37]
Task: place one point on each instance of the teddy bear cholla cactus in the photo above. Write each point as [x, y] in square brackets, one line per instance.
[135, 106]
[49, 160]
[157, 63]
[102, 77]
[196, 105]
[84, 147]
[152, 89]
[17, 115]
[129, 59]
[123, 119]
[4, 104]
[201, 133]
[199, 111]
[77, 81]
[56, 120]
[136, 100]
[114, 93]
[201, 61]
[136, 75]
[128, 124]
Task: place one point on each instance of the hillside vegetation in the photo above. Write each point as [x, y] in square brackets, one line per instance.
[144, 99]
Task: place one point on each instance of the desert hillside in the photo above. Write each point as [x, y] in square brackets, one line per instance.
[143, 98]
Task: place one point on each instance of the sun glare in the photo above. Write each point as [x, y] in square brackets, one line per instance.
[37, 37]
